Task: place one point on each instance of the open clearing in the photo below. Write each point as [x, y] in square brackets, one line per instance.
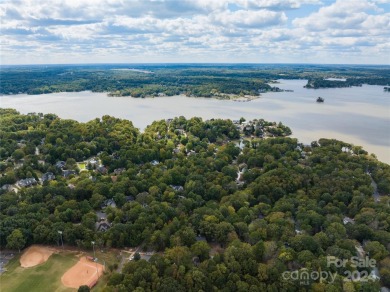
[35, 255]
[84, 272]
[44, 277]
[47, 275]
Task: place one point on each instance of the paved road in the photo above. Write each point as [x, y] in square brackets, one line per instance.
[126, 256]
[4, 259]
[375, 194]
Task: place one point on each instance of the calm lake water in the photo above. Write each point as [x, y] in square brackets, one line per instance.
[358, 115]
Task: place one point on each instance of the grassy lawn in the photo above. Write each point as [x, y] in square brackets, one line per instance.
[108, 258]
[81, 165]
[47, 276]
[44, 277]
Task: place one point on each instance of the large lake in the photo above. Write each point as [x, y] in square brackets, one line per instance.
[358, 115]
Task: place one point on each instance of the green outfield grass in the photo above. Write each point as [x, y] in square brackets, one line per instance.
[47, 276]
[44, 277]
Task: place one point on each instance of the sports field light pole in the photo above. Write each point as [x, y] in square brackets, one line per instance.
[94, 259]
[62, 243]
[93, 246]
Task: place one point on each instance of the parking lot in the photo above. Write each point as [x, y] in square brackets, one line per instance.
[5, 257]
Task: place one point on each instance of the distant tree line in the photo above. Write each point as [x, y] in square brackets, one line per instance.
[349, 82]
[191, 80]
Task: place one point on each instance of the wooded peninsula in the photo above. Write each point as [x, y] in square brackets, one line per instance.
[219, 205]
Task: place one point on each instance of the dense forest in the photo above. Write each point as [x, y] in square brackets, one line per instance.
[349, 82]
[197, 80]
[223, 205]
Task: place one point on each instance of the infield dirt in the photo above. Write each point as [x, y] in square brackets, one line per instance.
[84, 272]
[35, 255]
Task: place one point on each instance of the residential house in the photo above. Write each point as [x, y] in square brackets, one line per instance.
[109, 203]
[114, 155]
[101, 169]
[201, 238]
[6, 187]
[242, 166]
[177, 188]
[176, 150]
[60, 164]
[21, 143]
[297, 231]
[191, 152]
[66, 173]
[103, 226]
[28, 182]
[129, 198]
[196, 261]
[118, 171]
[48, 176]
[180, 131]
[347, 220]
[93, 162]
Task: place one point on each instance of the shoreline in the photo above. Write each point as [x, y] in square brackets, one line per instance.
[344, 113]
[227, 97]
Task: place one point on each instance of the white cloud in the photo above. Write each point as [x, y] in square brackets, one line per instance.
[248, 18]
[347, 27]
[381, 22]
[278, 4]
[343, 14]
[188, 30]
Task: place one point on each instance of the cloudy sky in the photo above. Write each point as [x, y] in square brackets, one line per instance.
[229, 31]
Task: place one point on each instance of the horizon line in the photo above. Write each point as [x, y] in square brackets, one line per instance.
[192, 63]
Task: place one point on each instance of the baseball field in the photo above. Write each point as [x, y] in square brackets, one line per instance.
[43, 269]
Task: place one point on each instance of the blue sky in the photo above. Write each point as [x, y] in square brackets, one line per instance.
[203, 31]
